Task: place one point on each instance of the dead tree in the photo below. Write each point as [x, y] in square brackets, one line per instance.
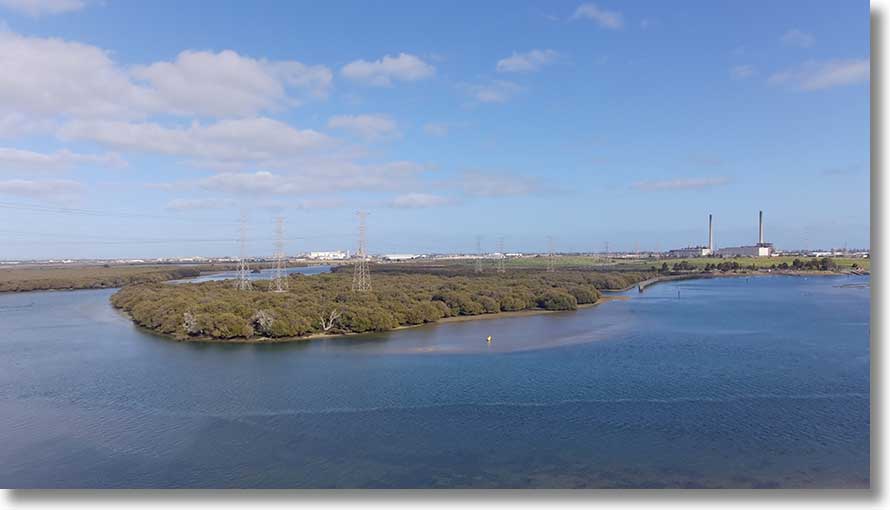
[328, 323]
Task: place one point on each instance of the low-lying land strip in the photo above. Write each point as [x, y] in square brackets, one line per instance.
[29, 278]
[325, 304]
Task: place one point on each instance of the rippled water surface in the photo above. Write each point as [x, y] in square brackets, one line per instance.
[760, 382]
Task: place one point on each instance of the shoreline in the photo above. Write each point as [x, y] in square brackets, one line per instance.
[643, 285]
[606, 295]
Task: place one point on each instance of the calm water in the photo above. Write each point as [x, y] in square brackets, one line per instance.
[736, 383]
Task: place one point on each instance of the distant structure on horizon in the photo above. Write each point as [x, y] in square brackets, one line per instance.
[697, 251]
[328, 255]
[761, 249]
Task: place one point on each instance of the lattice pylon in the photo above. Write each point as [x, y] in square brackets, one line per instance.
[361, 276]
[280, 280]
[243, 280]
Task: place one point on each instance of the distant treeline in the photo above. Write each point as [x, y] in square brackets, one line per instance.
[325, 304]
[87, 277]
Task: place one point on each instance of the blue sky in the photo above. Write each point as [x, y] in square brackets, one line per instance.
[133, 129]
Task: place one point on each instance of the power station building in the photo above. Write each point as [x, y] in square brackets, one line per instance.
[697, 251]
[761, 249]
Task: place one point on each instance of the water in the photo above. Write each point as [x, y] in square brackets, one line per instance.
[264, 274]
[737, 383]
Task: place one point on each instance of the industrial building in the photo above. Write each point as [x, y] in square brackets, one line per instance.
[761, 249]
[697, 251]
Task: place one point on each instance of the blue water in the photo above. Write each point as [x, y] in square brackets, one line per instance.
[760, 382]
[264, 274]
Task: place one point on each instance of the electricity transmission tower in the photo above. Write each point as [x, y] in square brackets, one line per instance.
[500, 267]
[279, 283]
[551, 261]
[361, 277]
[243, 280]
[478, 264]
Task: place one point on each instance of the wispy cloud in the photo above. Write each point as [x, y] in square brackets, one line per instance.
[527, 62]
[191, 204]
[382, 72]
[818, 75]
[420, 200]
[51, 190]
[370, 127]
[843, 170]
[436, 128]
[607, 19]
[18, 159]
[795, 37]
[37, 8]
[741, 72]
[681, 184]
[496, 91]
[488, 184]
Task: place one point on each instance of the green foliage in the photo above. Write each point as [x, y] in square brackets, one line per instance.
[325, 304]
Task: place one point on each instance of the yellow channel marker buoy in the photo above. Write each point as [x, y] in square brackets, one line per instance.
[489, 339]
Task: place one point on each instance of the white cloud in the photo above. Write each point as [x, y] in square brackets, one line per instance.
[486, 184]
[55, 77]
[39, 77]
[239, 141]
[404, 67]
[419, 200]
[369, 127]
[681, 184]
[742, 71]
[53, 190]
[795, 37]
[530, 61]
[14, 125]
[607, 19]
[818, 75]
[40, 7]
[497, 91]
[18, 159]
[226, 83]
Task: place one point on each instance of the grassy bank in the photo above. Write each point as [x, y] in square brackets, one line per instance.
[325, 305]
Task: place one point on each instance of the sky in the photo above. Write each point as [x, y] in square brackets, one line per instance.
[147, 129]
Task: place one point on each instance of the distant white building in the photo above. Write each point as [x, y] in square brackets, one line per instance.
[328, 255]
[758, 250]
[400, 256]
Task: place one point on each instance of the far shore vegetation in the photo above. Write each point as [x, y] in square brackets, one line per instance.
[30, 278]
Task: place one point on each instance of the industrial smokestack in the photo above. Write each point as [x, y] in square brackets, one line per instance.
[761, 228]
[711, 233]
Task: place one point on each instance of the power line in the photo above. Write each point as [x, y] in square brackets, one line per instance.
[75, 211]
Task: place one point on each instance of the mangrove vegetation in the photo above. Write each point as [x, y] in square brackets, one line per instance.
[325, 304]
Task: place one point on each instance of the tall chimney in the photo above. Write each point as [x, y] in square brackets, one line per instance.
[711, 233]
[761, 228]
